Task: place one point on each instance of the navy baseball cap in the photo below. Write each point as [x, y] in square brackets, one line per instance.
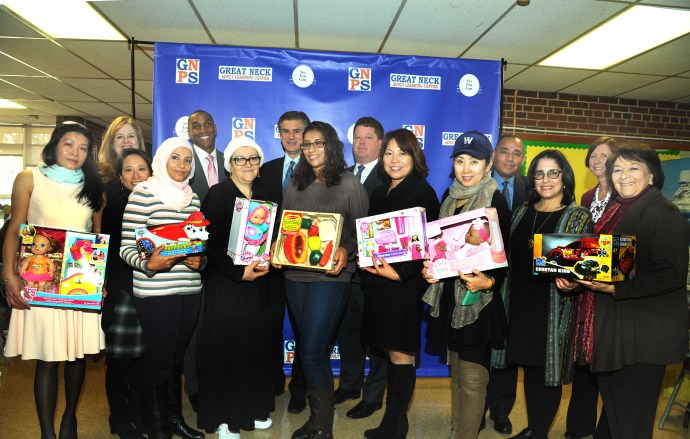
[475, 144]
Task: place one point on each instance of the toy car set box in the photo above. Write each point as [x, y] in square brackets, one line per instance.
[61, 268]
[606, 258]
[465, 241]
[395, 236]
[308, 239]
[183, 238]
[251, 231]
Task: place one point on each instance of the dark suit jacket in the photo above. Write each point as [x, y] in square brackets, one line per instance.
[270, 181]
[373, 181]
[199, 183]
[519, 191]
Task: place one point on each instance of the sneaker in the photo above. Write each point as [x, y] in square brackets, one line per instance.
[262, 425]
[224, 433]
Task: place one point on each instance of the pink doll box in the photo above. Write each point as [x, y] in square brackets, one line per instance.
[466, 241]
[61, 268]
[251, 231]
[183, 238]
[395, 236]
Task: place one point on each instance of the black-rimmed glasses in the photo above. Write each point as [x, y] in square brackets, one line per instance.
[241, 161]
[317, 144]
[551, 173]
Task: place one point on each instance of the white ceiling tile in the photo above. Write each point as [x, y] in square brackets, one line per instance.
[114, 57]
[144, 111]
[10, 26]
[664, 90]
[97, 109]
[48, 57]
[103, 89]
[10, 66]
[610, 84]
[12, 91]
[48, 107]
[546, 78]
[49, 88]
[671, 59]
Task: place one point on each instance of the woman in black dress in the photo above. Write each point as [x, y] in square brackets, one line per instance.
[235, 386]
[392, 292]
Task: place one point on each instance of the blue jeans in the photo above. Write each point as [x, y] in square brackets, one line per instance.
[317, 308]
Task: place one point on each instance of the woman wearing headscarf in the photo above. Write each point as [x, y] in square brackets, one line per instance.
[167, 289]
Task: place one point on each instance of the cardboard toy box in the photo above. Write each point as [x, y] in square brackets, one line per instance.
[251, 231]
[61, 268]
[395, 236]
[308, 239]
[465, 241]
[606, 258]
[183, 238]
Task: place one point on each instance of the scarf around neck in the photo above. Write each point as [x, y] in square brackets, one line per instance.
[62, 175]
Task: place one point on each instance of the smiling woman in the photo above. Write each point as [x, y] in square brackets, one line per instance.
[123, 133]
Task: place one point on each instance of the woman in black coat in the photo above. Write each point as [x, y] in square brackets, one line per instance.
[392, 292]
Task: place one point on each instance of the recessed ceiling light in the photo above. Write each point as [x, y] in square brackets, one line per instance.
[637, 30]
[6, 103]
[73, 19]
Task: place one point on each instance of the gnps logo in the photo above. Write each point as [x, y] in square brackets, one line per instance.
[187, 71]
[244, 126]
[359, 79]
[418, 131]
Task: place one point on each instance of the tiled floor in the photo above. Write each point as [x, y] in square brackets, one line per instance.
[429, 414]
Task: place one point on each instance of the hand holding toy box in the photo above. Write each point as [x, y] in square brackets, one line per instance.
[62, 268]
[308, 239]
[606, 258]
[395, 236]
[464, 242]
[251, 231]
[183, 238]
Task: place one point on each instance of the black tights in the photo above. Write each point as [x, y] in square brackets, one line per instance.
[45, 394]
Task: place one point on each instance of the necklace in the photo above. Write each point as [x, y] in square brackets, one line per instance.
[597, 207]
[530, 242]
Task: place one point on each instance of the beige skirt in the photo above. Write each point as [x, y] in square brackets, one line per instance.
[51, 334]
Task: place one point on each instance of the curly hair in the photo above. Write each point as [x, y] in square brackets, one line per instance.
[92, 192]
[333, 154]
[568, 176]
[408, 143]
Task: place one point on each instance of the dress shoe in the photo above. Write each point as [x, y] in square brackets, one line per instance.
[341, 395]
[524, 434]
[298, 402]
[503, 425]
[572, 436]
[363, 409]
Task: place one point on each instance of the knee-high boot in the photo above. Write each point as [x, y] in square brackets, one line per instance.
[320, 423]
[155, 408]
[454, 394]
[472, 381]
[401, 382]
[175, 419]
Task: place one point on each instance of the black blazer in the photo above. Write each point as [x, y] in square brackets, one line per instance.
[199, 183]
[373, 180]
[519, 190]
[270, 181]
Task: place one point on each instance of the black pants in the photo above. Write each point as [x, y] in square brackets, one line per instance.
[500, 393]
[168, 323]
[630, 398]
[582, 407]
[542, 402]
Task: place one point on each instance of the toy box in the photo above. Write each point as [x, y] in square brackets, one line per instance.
[395, 236]
[61, 268]
[308, 239]
[607, 258]
[251, 231]
[465, 241]
[183, 238]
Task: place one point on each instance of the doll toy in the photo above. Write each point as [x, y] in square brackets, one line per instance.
[256, 228]
[37, 269]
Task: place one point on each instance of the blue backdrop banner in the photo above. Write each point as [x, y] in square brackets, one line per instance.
[247, 89]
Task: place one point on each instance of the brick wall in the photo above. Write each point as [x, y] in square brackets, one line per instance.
[567, 115]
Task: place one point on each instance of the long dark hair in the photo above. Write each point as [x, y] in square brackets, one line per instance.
[568, 176]
[334, 165]
[92, 192]
[408, 143]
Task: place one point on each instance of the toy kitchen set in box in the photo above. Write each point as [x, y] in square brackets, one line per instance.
[465, 241]
[251, 231]
[395, 236]
[61, 268]
[606, 258]
[183, 238]
[308, 239]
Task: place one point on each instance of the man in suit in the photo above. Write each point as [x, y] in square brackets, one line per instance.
[366, 145]
[209, 170]
[275, 176]
[508, 158]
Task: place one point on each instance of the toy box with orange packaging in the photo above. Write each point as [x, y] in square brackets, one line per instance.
[308, 239]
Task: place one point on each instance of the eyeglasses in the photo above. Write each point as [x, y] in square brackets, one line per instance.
[241, 161]
[551, 173]
[317, 144]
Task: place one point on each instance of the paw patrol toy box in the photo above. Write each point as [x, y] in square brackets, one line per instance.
[308, 239]
[465, 241]
[61, 268]
[251, 231]
[606, 258]
[395, 236]
[183, 238]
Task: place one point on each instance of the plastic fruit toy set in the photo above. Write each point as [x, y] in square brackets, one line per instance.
[308, 239]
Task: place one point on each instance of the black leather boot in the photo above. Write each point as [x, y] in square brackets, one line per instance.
[175, 419]
[401, 382]
[320, 423]
[155, 408]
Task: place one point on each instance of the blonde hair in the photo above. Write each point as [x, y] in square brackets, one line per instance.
[106, 154]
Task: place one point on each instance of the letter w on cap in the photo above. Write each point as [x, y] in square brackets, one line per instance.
[468, 140]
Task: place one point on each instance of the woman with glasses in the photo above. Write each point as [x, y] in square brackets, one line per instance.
[317, 299]
[234, 393]
[538, 312]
